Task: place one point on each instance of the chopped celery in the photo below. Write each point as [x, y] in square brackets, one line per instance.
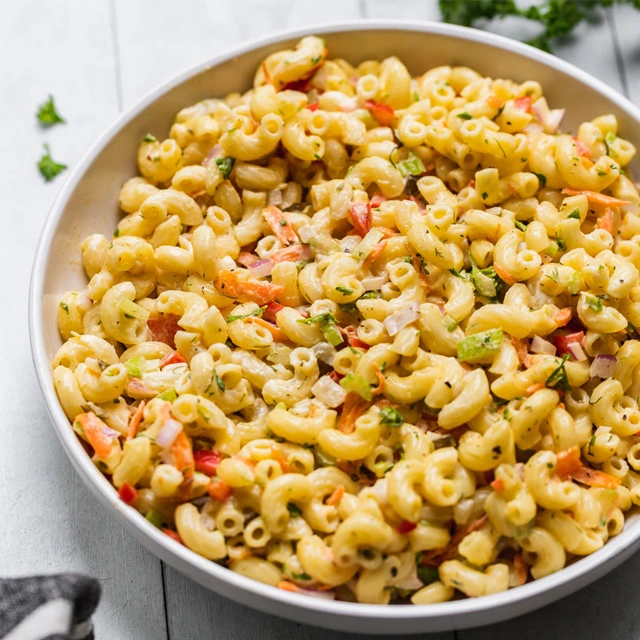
[484, 280]
[357, 384]
[169, 395]
[135, 366]
[322, 243]
[479, 345]
[368, 242]
[449, 323]
[574, 284]
[327, 324]
[132, 310]
[225, 165]
[552, 249]
[412, 166]
[155, 518]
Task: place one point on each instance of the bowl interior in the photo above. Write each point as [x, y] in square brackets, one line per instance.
[88, 203]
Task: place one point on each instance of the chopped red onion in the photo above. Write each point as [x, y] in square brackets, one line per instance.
[324, 352]
[110, 433]
[554, 120]
[399, 320]
[325, 595]
[261, 268]
[603, 366]
[540, 345]
[541, 109]
[533, 127]
[373, 283]
[169, 432]
[576, 351]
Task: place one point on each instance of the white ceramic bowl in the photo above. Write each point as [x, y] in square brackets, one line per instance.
[88, 204]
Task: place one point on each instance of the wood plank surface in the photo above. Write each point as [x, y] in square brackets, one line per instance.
[50, 521]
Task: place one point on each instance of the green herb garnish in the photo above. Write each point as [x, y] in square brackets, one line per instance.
[48, 167]
[47, 113]
[391, 417]
[225, 165]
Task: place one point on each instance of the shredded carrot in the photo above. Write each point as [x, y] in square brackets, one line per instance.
[135, 421]
[586, 163]
[246, 259]
[595, 478]
[183, 455]
[418, 266]
[228, 284]
[495, 101]
[582, 148]
[606, 221]
[374, 253]
[288, 586]
[280, 459]
[533, 388]
[173, 357]
[596, 198]
[521, 348]
[173, 535]
[504, 275]
[335, 497]
[567, 462]
[219, 490]
[562, 317]
[292, 253]
[521, 568]
[435, 557]
[95, 431]
[498, 485]
[354, 406]
[561, 405]
[381, 382]
[279, 224]
[278, 336]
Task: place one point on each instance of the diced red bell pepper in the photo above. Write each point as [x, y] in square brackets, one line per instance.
[562, 342]
[219, 490]
[360, 214]
[524, 103]
[406, 526]
[164, 328]
[207, 461]
[173, 535]
[172, 357]
[128, 494]
[313, 106]
[383, 113]
[271, 310]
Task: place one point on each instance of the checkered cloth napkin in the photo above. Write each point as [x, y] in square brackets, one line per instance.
[48, 607]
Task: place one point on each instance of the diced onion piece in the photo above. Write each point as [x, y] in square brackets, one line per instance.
[374, 283]
[479, 345]
[169, 432]
[540, 345]
[216, 152]
[133, 310]
[324, 595]
[324, 352]
[462, 511]
[110, 433]
[329, 392]
[306, 233]
[410, 582]
[261, 268]
[380, 491]
[603, 366]
[368, 242]
[228, 264]
[554, 120]
[576, 351]
[274, 197]
[357, 384]
[400, 319]
[533, 127]
[541, 109]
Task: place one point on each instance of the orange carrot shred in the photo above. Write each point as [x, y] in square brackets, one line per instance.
[136, 419]
[567, 462]
[279, 224]
[288, 586]
[533, 388]
[562, 317]
[504, 275]
[606, 221]
[596, 198]
[335, 497]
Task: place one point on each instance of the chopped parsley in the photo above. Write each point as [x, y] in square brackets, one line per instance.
[558, 376]
[301, 576]
[541, 177]
[594, 302]
[427, 575]
[294, 510]
[560, 243]
[465, 116]
[47, 113]
[220, 383]
[150, 138]
[256, 313]
[391, 417]
[48, 167]
[225, 165]
[574, 214]
[64, 306]
[344, 291]
[521, 225]
[327, 324]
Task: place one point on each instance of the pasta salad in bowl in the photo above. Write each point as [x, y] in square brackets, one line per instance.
[365, 334]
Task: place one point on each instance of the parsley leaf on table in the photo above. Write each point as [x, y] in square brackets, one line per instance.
[48, 167]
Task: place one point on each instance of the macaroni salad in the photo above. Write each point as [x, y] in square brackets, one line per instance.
[366, 336]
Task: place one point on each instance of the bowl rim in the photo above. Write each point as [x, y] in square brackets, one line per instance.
[530, 595]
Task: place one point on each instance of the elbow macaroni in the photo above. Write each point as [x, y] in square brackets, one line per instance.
[342, 337]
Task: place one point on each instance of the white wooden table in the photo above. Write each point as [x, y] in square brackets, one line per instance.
[98, 57]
